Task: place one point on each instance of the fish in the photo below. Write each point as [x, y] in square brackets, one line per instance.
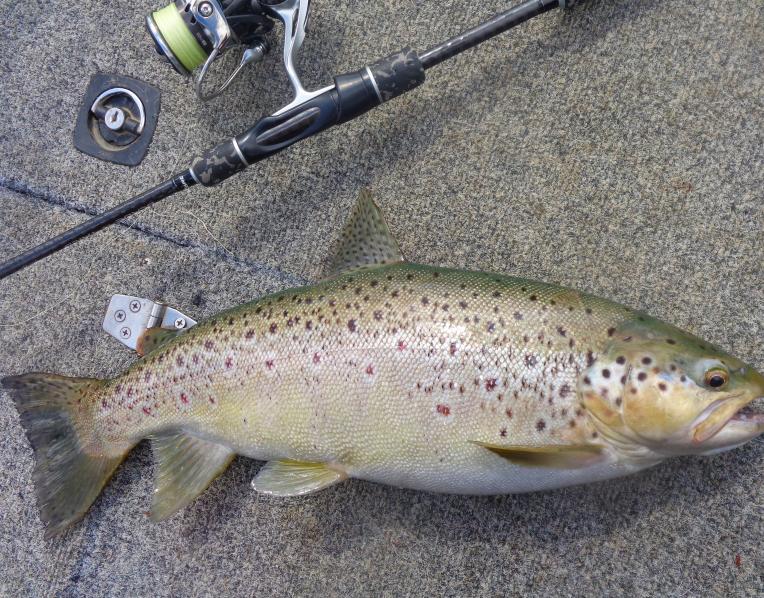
[415, 376]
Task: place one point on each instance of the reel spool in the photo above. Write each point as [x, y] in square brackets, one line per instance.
[194, 33]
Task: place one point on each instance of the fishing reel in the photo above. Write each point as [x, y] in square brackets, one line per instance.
[193, 34]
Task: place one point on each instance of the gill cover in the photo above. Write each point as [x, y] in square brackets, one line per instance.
[656, 389]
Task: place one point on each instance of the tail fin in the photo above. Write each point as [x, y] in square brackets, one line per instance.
[54, 411]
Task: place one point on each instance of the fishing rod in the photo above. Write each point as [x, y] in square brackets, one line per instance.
[309, 113]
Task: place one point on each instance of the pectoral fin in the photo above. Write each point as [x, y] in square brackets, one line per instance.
[295, 478]
[551, 456]
[186, 465]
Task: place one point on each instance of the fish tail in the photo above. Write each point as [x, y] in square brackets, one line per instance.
[70, 471]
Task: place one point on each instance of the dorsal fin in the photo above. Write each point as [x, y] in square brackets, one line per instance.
[366, 239]
[154, 338]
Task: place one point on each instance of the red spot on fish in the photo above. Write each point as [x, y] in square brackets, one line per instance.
[273, 328]
[444, 410]
[351, 325]
[179, 360]
[250, 334]
[269, 363]
[184, 398]
[147, 411]
[452, 349]
[316, 358]
[130, 392]
[209, 345]
[370, 370]
[103, 403]
[401, 346]
[490, 384]
[229, 362]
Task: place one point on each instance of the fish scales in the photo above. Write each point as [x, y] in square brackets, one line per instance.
[415, 376]
[383, 370]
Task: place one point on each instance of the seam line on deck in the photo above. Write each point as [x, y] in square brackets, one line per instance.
[20, 188]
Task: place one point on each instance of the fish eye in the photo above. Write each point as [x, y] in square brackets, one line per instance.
[716, 378]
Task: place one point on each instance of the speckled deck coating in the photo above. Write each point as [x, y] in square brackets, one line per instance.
[388, 374]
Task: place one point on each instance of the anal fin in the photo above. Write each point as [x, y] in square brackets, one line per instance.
[295, 478]
[550, 456]
[186, 466]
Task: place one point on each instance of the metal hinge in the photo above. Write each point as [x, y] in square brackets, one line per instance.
[127, 318]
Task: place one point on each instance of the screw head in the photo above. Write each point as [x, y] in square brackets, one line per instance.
[206, 9]
[120, 315]
[135, 306]
[125, 332]
[115, 118]
[180, 323]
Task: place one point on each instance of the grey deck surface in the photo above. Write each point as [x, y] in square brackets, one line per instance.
[617, 149]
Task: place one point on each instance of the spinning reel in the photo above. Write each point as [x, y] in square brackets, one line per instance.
[194, 33]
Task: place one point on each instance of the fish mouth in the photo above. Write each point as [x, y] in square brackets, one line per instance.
[752, 413]
[729, 422]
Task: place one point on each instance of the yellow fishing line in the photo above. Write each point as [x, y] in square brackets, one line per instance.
[178, 37]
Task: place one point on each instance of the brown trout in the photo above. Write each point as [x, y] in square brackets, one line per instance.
[414, 376]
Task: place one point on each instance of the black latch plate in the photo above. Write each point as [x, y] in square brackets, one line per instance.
[132, 154]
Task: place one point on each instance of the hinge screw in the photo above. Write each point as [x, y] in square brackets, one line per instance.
[125, 332]
[180, 323]
[120, 315]
[135, 306]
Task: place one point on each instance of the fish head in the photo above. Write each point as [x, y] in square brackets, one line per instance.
[671, 393]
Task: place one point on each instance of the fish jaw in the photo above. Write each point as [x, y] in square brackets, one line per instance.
[729, 424]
